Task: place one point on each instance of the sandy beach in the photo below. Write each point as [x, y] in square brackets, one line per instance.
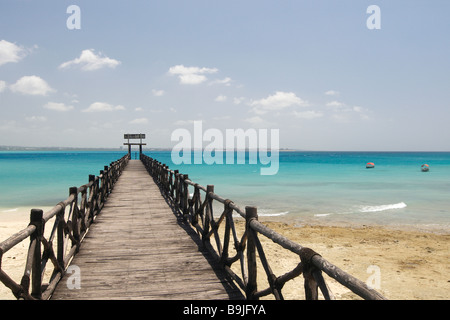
[412, 265]
[13, 261]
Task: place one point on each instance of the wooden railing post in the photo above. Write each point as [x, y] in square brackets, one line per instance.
[310, 283]
[226, 241]
[98, 194]
[91, 200]
[251, 214]
[177, 188]
[75, 230]
[185, 195]
[60, 235]
[102, 187]
[165, 178]
[36, 237]
[107, 174]
[171, 184]
[82, 210]
[208, 211]
[194, 205]
[159, 171]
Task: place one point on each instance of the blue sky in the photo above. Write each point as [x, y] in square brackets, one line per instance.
[311, 69]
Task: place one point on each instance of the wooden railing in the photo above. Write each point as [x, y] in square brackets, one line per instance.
[175, 186]
[68, 230]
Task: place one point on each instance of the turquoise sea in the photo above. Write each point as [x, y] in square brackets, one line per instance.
[43, 178]
[332, 188]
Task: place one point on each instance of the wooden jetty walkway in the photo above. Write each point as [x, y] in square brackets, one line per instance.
[138, 249]
[139, 230]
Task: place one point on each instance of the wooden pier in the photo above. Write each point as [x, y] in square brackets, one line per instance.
[140, 230]
[138, 249]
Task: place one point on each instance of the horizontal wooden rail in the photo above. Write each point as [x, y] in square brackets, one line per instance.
[175, 186]
[68, 230]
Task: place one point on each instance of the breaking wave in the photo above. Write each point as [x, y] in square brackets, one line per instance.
[384, 207]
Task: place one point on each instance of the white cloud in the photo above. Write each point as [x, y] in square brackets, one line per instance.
[139, 121]
[221, 98]
[191, 75]
[341, 117]
[332, 93]
[89, 61]
[103, 107]
[32, 85]
[363, 112]
[2, 86]
[278, 101]
[9, 126]
[255, 120]
[36, 119]
[10, 52]
[238, 100]
[139, 109]
[358, 109]
[158, 93]
[344, 112]
[311, 114]
[57, 106]
[192, 78]
[226, 82]
[335, 104]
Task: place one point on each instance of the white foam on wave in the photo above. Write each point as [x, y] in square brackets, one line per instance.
[276, 214]
[10, 210]
[384, 207]
[262, 213]
[321, 214]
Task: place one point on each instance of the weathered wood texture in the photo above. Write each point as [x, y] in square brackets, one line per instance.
[138, 249]
[71, 220]
[199, 213]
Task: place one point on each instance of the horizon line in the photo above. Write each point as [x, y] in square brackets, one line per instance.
[59, 148]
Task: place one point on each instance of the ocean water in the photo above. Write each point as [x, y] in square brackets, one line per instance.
[43, 178]
[331, 188]
[336, 188]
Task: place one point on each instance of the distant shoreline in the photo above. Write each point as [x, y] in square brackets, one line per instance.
[22, 148]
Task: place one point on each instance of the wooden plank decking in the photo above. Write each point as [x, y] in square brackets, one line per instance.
[138, 249]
